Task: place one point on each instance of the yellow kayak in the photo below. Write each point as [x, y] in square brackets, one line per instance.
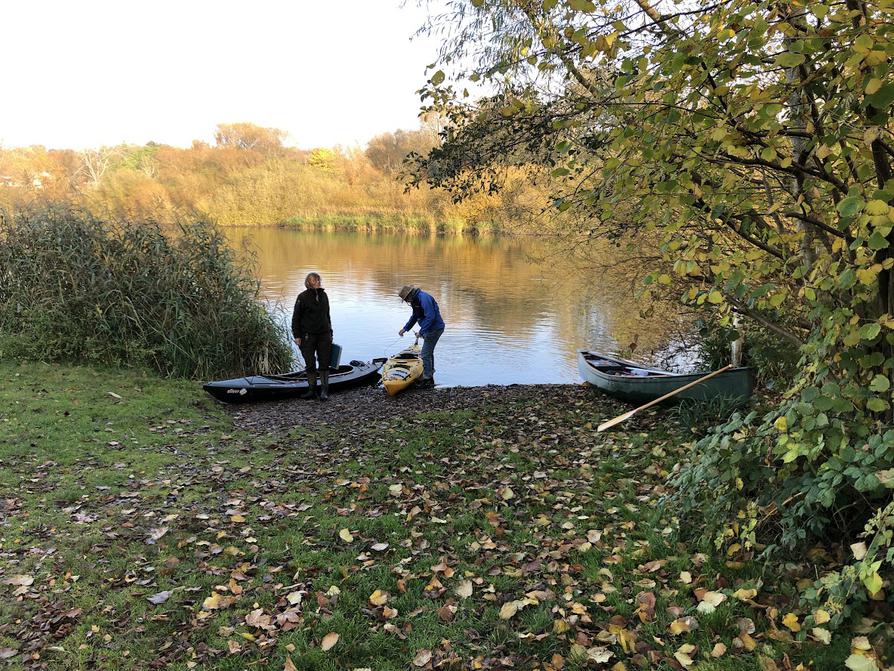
[402, 370]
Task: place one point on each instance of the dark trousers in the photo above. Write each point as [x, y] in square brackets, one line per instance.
[319, 344]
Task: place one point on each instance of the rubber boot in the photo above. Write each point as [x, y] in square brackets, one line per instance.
[311, 388]
[324, 385]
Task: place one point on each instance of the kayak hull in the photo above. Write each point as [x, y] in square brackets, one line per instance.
[401, 370]
[273, 387]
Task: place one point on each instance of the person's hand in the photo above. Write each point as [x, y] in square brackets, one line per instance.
[298, 342]
[401, 333]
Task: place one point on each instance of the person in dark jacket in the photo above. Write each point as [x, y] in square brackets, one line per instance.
[431, 326]
[312, 329]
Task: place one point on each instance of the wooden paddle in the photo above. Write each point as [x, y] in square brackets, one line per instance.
[627, 415]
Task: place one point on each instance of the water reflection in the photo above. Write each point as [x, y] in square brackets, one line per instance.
[510, 319]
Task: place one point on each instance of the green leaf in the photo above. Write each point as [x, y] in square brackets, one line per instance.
[560, 172]
[876, 207]
[882, 98]
[873, 582]
[877, 241]
[870, 331]
[437, 78]
[789, 60]
[877, 404]
[582, 5]
[715, 297]
[850, 206]
[880, 383]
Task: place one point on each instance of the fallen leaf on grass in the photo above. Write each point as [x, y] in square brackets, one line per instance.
[19, 580]
[598, 654]
[156, 534]
[422, 658]
[217, 602]
[767, 663]
[508, 610]
[745, 641]
[646, 608]
[380, 547]
[345, 535]
[160, 597]
[378, 598]
[684, 654]
[289, 665]
[861, 663]
[329, 640]
[6, 653]
[719, 650]
[791, 621]
[710, 601]
[682, 625]
[464, 589]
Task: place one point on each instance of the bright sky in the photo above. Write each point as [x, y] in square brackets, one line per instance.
[87, 73]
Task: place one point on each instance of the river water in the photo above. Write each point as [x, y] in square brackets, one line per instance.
[516, 309]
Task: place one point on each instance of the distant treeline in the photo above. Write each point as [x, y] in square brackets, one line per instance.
[249, 178]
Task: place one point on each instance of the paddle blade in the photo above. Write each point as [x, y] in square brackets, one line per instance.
[617, 420]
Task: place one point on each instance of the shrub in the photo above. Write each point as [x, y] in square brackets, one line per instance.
[77, 288]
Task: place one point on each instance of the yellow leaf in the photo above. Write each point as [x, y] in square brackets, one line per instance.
[791, 621]
[329, 640]
[873, 86]
[560, 626]
[821, 616]
[781, 424]
[719, 650]
[345, 535]
[509, 609]
[378, 598]
[748, 643]
[290, 665]
[744, 594]
[212, 602]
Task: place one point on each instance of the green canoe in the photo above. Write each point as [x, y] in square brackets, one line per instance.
[630, 381]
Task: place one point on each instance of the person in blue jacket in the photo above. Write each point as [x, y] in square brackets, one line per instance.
[431, 326]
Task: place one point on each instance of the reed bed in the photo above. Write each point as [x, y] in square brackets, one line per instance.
[77, 288]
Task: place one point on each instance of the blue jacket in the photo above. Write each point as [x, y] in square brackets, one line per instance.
[426, 312]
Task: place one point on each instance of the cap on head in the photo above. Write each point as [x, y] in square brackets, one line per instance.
[405, 291]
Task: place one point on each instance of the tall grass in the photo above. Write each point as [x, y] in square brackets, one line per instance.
[77, 288]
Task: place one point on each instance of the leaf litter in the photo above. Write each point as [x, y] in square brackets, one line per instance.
[495, 517]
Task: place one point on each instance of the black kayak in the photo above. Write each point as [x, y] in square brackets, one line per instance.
[272, 387]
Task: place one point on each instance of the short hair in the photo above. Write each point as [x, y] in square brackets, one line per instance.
[307, 279]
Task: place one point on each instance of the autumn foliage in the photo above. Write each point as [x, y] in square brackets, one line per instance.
[249, 177]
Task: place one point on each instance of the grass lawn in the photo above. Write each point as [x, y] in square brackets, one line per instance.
[142, 527]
